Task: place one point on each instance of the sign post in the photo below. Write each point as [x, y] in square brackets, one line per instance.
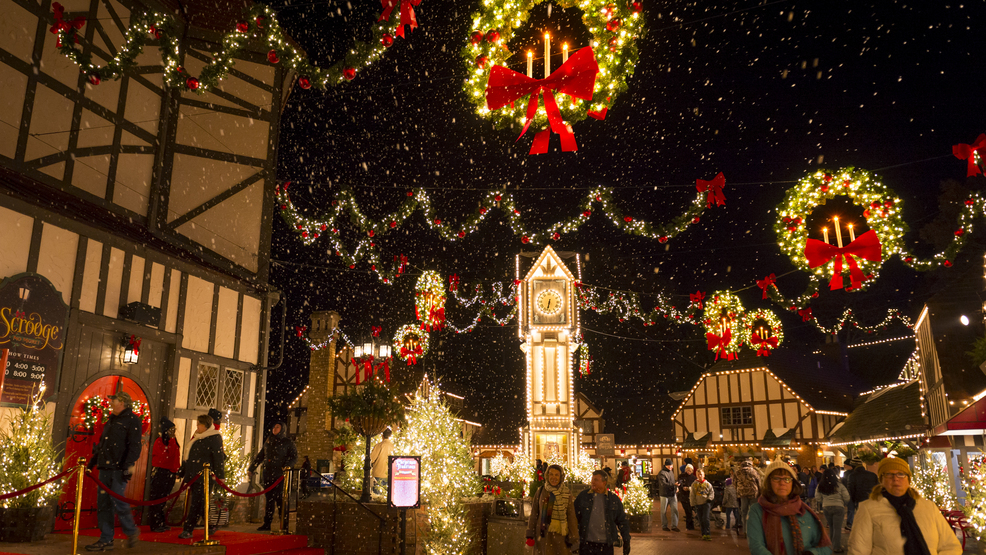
[404, 477]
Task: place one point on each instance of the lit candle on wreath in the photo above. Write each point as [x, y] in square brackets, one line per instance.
[838, 232]
[547, 55]
[852, 234]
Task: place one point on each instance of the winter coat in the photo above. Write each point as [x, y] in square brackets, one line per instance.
[119, 446]
[379, 458]
[812, 486]
[748, 480]
[701, 493]
[553, 543]
[876, 528]
[838, 498]
[861, 484]
[666, 483]
[278, 452]
[729, 498]
[167, 456]
[617, 523]
[206, 447]
[622, 475]
[811, 533]
[685, 481]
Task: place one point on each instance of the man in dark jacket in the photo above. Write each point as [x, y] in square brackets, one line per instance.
[667, 490]
[278, 452]
[602, 521]
[206, 447]
[861, 484]
[115, 456]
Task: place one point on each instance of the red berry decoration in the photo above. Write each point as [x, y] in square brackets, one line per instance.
[393, 225]
[387, 40]
[493, 36]
[477, 38]
[587, 213]
[525, 239]
[959, 232]
[824, 188]
[613, 24]
[636, 6]
[948, 264]
[556, 236]
[351, 266]
[482, 210]
[324, 226]
[304, 234]
[272, 57]
[242, 27]
[462, 234]
[438, 222]
[696, 219]
[481, 62]
[370, 233]
[627, 219]
[193, 83]
[410, 193]
[662, 239]
[970, 202]
[94, 78]
[260, 19]
[349, 73]
[497, 198]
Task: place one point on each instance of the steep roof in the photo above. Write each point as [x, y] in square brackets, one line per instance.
[891, 412]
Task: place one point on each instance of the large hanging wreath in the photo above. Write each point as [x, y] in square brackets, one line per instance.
[723, 320]
[615, 26]
[411, 343]
[429, 301]
[96, 412]
[764, 337]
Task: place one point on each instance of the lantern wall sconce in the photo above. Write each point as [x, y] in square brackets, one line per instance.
[131, 352]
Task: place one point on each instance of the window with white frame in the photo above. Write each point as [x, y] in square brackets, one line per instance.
[207, 385]
[233, 391]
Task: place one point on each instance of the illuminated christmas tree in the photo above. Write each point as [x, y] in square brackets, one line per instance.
[237, 459]
[634, 496]
[931, 480]
[27, 456]
[974, 484]
[447, 473]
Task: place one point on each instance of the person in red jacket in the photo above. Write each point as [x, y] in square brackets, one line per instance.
[165, 460]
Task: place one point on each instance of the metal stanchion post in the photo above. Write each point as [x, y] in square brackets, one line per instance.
[78, 504]
[285, 498]
[205, 485]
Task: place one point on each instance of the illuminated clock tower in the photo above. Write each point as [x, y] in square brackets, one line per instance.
[548, 326]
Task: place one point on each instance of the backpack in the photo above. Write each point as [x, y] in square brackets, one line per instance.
[747, 484]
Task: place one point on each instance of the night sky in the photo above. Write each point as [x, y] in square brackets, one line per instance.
[764, 92]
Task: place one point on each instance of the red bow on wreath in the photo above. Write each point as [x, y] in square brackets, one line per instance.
[300, 330]
[61, 25]
[969, 152]
[576, 78]
[719, 343]
[453, 282]
[805, 314]
[696, 298]
[764, 345]
[407, 14]
[411, 355]
[865, 246]
[766, 283]
[714, 188]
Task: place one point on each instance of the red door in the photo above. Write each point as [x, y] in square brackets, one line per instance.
[80, 443]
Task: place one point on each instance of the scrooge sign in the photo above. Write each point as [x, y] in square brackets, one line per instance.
[32, 327]
[405, 482]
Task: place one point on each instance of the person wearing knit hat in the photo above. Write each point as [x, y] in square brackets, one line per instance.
[667, 485]
[896, 519]
[216, 417]
[780, 523]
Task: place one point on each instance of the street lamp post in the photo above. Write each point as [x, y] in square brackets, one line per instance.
[373, 350]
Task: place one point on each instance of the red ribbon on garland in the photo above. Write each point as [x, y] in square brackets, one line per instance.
[61, 25]
[696, 298]
[805, 314]
[764, 345]
[714, 188]
[766, 283]
[453, 282]
[407, 14]
[968, 152]
[576, 78]
[719, 343]
[865, 246]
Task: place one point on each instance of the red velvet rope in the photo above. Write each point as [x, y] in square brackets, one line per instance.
[26, 491]
[139, 502]
[238, 494]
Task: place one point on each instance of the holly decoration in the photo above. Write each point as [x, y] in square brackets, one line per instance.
[429, 301]
[259, 24]
[345, 208]
[497, 22]
[411, 343]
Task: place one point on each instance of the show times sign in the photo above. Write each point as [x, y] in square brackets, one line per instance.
[32, 327]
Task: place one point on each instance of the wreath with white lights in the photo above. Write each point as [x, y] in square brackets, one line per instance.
[96, 410]
[724, 315]
[411, 343]
[615, 26]
[259, 22]
[429, 301]
[764, 339]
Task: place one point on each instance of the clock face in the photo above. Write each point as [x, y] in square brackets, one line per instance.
[549, 302]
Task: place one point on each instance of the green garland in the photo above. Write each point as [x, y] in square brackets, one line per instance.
[259, 22]
[615, 27]
[345, 207]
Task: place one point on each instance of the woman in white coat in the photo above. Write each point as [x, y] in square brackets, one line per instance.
[896, 519]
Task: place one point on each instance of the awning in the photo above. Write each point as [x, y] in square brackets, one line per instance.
[693, 442]
[779, 437]
[969, 421]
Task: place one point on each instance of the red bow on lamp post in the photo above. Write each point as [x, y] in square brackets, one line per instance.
[766, 283]
[696, 298]
[971, 153]
[367, 364]
[764, 345]
[375, 330]
[865, 246]
[576, 78]
[407, 14]
[714, 188]
[135, 344]
[719, 343]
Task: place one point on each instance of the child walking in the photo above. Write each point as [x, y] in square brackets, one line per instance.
[701, 496]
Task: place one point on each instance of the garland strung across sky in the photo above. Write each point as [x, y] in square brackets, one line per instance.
[259, 22]
[345, 207]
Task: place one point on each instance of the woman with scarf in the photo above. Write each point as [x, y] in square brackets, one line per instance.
[553, 528]
[780, 523]
[165, 461]
[896, 519]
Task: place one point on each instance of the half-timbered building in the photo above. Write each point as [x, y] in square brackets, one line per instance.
[147, 210]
